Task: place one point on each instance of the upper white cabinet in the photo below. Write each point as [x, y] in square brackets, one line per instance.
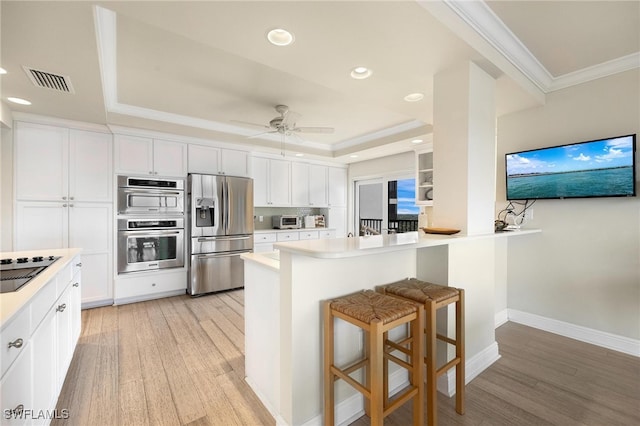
[218, 161]
[424, 177]
[146, 156]
[337, 188]
[60, 164]
[272, 182]
[308, 185]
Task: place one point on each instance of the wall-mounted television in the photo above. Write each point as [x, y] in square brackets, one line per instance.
[599, 168]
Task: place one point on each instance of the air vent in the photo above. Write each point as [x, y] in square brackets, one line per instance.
[47, 80]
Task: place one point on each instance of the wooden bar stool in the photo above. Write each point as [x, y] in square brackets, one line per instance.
[376, 314]
[434, 297]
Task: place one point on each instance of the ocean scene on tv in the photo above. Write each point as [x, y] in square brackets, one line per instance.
[588, 169]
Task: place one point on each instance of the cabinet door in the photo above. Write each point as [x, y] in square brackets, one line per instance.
[64, 345]
[90, 170]
[317, 185]
[280, 182]
[18, 379]
[90, 227]
[41, 154]
[260, 175]
[300, 184]
[44, 379]
[41, 225]
[337, 187]
[133, 154]
[204, 159]
[169, 158]
[234, 163]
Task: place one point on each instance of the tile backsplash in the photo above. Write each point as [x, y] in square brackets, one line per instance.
[267, 212]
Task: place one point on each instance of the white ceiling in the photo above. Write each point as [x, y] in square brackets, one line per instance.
[191, 68]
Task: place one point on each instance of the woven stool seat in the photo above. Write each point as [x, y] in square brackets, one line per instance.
[368, 306]
[420, 291]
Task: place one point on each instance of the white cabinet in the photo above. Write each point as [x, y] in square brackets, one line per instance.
[211, 160]
[272, 182]
[337, 187]
[309, 235]
[338, 220]
[146, 156]
[136, 287]
[49, 328]
[263, 241]
[59, 164]
[45, 225]
[308, 185]
[424, 177]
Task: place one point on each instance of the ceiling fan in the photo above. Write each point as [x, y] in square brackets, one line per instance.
[285, 124]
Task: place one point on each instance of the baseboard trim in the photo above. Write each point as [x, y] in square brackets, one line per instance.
[473, 367]
[272, 410]
[501, 317]
[134, 299]
[588, 335]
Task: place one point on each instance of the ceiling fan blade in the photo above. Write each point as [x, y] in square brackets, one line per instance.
[290, 119]
[260, 134]
[313, 129]
[250, 124]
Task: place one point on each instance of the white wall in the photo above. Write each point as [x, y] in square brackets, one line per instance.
[584, 268]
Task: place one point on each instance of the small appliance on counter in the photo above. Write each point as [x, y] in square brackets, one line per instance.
[320, 221]
[286, 221]
[310, 221]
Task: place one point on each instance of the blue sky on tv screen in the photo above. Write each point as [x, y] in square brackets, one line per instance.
[603, 154]
[407, 197]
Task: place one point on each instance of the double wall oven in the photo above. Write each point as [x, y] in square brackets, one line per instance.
[150, 224]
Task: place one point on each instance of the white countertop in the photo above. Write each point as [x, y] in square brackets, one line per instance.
[12, 303]
[263, 231]
[335, 248]
[270, 259]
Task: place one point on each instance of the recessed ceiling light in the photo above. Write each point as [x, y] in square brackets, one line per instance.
[360, 73]
[414, 97]
[3, 71]
[280, 37]
[19, 101]
[299, 155]
[417, 141]
[353, 156]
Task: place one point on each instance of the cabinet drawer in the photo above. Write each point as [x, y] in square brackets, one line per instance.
[309, 235]
[17, 333]
[288, 236]
[265, 238]
[150, 285]
[327, 234]
[41, 303]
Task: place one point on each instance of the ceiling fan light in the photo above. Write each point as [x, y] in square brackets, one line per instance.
[414, 97]
[360, 73]
[19, 101]
[3, 71]
[280, 37]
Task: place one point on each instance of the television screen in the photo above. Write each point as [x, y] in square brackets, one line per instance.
[600, 168]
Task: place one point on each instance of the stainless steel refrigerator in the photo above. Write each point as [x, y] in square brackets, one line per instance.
[220, 229]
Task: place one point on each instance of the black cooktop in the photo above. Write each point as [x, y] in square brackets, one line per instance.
[16, 272]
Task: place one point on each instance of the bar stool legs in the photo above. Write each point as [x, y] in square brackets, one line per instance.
[376, 314]
[435, 297]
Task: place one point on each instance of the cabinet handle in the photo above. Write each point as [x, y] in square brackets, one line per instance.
[76, 284]
[70, 205]
[61, 308]
[71, 198]
[16, 344]
[64, 205]
[79, 265]
[64, 198]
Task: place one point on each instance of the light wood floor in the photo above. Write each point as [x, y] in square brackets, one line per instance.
[179, 361]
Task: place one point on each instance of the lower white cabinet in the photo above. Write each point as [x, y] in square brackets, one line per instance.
[263, 241]
[142, 286]
[42, 338]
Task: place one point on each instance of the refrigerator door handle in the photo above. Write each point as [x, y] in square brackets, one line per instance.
[224, 254]
[204, 239]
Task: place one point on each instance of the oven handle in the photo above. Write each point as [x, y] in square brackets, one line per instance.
[151, 232]
[149, 191]
[205, 239]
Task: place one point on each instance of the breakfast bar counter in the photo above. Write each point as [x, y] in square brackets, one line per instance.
[283, 317]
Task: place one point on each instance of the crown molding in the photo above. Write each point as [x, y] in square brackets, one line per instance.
[477, 15]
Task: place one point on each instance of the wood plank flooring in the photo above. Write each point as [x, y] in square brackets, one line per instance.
[180, 361]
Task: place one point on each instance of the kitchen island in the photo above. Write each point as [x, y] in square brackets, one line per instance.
[283, 319]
